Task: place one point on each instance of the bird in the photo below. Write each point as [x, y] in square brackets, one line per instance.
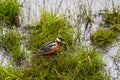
[49, 48]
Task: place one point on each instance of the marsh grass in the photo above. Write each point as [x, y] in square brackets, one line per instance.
[9, 11]
[11, 44]
[109, 32]
[85, 65]
[75, 64]
[51, 26]
[8, 73]
[111, 17]
[115, 28]
[103, 37]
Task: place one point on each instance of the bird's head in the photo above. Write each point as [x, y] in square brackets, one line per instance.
[59, 40]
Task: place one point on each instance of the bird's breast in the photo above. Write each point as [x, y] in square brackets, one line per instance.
[54, 50]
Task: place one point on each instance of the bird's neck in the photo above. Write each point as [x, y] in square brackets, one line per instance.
[57, 44]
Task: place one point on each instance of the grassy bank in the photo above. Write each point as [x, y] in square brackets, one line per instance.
[83, 65]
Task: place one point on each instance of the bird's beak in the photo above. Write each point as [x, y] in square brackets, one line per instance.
[63, 42]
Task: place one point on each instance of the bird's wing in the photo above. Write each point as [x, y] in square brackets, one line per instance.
[47, 47]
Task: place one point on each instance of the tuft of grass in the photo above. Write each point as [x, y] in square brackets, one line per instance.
[103, 37]
[49, 27]
[111, 18]
[8, 73]
[11, 43]
[115, 28]
[9, 10]
[85, 65]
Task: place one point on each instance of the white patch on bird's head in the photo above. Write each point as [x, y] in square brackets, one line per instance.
[58, 40]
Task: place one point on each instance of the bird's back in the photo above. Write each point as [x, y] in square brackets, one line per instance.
[46, 48]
